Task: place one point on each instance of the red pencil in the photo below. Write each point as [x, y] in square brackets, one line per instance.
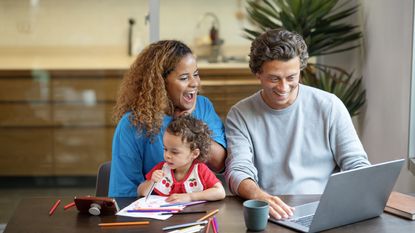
[69, 205]
[54, 207]
[208, 225]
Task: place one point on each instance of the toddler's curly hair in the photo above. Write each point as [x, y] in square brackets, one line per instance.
[194, 132]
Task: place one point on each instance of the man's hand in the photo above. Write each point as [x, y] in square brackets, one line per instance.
[277, 208]
[248, 189]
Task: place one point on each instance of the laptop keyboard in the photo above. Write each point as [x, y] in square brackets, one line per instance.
[304, 221]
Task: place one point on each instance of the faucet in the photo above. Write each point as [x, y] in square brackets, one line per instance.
[131, 23]
[215, 40]
[214, 30]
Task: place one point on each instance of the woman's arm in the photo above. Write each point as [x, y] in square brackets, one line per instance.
[217, 156]
[126, 170]
[217, 153]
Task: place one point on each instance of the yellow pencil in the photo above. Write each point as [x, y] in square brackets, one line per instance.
[113, 224]
[208, 215]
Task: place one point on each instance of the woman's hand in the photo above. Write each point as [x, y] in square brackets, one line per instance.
[179, 197]
[157, 176]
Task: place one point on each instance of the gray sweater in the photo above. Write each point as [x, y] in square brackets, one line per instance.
[293, 150]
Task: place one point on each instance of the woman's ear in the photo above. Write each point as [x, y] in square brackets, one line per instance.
[195, 153]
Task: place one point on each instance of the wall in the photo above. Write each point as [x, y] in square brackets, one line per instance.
[388, 32]
[104, 23]
[384, 60]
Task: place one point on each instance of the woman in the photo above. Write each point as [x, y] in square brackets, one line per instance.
[163, 82]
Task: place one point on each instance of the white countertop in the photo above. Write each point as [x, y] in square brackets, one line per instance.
[79, 59]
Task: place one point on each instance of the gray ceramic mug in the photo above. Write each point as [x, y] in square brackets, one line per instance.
[256, 214]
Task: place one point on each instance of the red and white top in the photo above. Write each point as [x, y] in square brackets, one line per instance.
[198, 178]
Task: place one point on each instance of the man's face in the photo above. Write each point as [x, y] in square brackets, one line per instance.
[279, 81]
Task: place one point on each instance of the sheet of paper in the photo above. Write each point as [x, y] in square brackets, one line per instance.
[154, 201]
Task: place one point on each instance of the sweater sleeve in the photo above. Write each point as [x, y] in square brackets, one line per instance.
[239, 163]
[346, 146]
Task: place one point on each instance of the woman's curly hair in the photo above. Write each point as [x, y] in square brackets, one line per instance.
[277, 44]
[194, 132]
[143, 88]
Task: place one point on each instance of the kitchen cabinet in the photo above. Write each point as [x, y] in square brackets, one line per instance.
[59, 122]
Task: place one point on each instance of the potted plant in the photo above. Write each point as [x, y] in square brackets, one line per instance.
[321, 23]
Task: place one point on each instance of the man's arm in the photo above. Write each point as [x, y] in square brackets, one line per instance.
[344, 141]
[248, 189]
[241, 173]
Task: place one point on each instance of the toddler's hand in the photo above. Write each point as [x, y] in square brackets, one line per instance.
[157, 176]
[179, 197]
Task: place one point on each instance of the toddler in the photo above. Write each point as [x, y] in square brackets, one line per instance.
[183, 176]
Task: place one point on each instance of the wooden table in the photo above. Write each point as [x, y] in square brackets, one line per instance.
[31, 215]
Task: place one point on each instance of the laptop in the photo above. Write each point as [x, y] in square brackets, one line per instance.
[348, 197]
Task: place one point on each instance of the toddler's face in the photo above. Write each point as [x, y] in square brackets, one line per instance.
[177, 154]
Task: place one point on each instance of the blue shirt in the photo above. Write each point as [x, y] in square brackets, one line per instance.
[133, 155]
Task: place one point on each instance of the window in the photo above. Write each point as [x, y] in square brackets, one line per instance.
[412, 105]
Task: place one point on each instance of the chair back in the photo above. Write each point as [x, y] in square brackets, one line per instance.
[103, 179]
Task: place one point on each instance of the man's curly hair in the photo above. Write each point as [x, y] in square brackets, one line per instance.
[194, 132]
[143, 88]
[277, 44]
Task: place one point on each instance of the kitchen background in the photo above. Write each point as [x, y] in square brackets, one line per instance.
[61, 62]
[49, 24]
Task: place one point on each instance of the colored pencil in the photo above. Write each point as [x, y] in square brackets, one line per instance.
[191, 229]
[152, 211]
[214, 225]
[208, 215]
[183, 203]
[69, 205]
[156, 209]
[208, 225]
[54, 207]
[184, 225]
[186, 212]
[151, 190]
[113, 224]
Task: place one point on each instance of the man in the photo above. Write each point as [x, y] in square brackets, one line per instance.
[287, 138]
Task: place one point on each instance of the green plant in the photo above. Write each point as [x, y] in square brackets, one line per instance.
[339, 82]
[321, 23]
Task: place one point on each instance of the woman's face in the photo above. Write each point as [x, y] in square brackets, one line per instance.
[183, 82]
